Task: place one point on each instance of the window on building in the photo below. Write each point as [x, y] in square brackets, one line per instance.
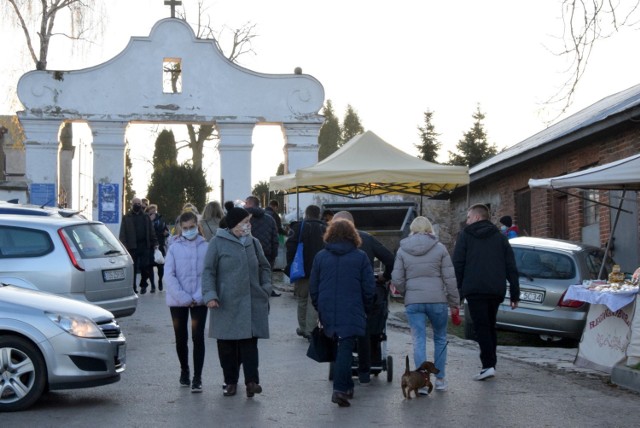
[590, 211]
[172, 76]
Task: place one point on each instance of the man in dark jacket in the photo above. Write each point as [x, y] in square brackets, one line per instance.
[369, 344]
[264, 228]
[272, 210]
[312, 232]
[139, 238]
[484, 262]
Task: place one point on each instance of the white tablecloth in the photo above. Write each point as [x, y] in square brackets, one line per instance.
[613, 301]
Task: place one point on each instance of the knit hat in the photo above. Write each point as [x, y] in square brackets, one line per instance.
[506, 220]
[235, 215]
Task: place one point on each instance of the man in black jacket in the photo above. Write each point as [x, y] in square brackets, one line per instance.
[312, 232]
[263, 227]
[139, 238]
[484, 262]
[369, 345]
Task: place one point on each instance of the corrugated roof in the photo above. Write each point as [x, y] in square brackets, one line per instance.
[595, 113]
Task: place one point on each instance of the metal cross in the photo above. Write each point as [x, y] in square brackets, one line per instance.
[173, 4]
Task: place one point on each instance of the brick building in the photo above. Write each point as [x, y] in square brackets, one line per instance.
[604, 132]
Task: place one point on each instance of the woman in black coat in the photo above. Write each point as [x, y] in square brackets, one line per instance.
[341, 287]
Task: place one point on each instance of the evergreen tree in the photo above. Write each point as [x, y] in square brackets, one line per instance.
[166, 187]
[195, 186]
[261, 191]
[329, 136]
[474, 147]
[351, 125]
[430, 144]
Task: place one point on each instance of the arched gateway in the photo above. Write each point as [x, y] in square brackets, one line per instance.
[135, 87]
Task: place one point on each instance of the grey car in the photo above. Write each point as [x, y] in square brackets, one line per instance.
[48, 342]
[547, 267]
[69, 256]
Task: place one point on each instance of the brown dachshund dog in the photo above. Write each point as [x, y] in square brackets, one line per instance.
[414, 380]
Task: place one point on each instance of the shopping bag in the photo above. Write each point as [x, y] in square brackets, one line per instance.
[296, 270]
[297, 265]
[322, 348]
[158, 258]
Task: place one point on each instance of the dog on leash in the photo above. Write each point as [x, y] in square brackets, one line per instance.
[420, 378]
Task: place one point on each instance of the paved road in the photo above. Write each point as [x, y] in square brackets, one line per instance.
[297, 392]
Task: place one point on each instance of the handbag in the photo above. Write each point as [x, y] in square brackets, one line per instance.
[158, 258]
[297, 265]
[322, 348]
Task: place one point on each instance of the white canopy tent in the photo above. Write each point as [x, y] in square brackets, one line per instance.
[623, 174]
[367, 166]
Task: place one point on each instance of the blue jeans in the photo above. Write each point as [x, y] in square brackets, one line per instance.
[342, 379]
[417, 315]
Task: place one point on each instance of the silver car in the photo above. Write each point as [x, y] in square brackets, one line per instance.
[547, 267]
[69, 256]
[49, 342]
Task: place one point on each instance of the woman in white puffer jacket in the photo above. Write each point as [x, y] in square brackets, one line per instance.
[423, 273]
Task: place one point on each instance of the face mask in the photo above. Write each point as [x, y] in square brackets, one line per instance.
[190, 234]
[503, 228]
[137, 208]
[245, 229]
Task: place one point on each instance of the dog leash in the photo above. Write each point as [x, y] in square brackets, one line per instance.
[443, 349]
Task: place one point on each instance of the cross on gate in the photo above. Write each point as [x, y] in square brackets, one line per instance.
[173, 4]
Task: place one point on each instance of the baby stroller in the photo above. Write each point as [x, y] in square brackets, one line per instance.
[377, 329]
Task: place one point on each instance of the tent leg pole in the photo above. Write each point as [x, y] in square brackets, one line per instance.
[297, 204]
[613, 229]
[421, 195]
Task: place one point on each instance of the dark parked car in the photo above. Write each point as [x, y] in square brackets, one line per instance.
[547, 268]
[48, 342]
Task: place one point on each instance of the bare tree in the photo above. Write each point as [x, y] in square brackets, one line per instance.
[38, 23]
[240, 45]
[585, 22]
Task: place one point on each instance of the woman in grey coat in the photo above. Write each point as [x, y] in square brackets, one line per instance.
[423, 273]
[236, 285]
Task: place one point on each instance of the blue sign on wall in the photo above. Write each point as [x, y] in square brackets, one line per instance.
[108, 203]
[43, 194]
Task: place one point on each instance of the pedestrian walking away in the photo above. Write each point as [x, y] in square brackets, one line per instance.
[184, 267]
[423, 273]
[483, 261]
[236, 285]
[310, 235]
[341, 287]
[139, 238]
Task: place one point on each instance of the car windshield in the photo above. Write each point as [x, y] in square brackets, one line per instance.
[94, 240]
[544, 264]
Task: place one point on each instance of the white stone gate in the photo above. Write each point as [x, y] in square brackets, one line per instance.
[136, 87]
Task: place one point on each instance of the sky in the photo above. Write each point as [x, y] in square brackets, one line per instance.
[390, 60]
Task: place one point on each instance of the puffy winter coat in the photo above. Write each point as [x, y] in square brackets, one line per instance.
[423, 271]
[183, 268]
[237, 275]
[341, 286]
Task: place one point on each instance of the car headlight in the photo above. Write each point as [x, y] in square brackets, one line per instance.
[77, 325]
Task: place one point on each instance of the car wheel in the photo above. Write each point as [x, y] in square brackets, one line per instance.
[22, 374]
[389, 368]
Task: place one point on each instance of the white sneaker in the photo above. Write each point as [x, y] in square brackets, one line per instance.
[441, 384]
[485, 374]
[423, 391]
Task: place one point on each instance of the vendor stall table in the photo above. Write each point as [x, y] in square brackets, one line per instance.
[607, 332]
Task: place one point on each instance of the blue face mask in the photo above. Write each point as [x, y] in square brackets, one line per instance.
[190, 234]
[503, 228]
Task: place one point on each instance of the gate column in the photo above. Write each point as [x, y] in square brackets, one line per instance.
[108, 173]
[41, 159]
[235, 160]
[300, 151]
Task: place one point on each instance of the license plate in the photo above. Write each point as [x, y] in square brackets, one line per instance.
[528, 296]
[113, 275]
